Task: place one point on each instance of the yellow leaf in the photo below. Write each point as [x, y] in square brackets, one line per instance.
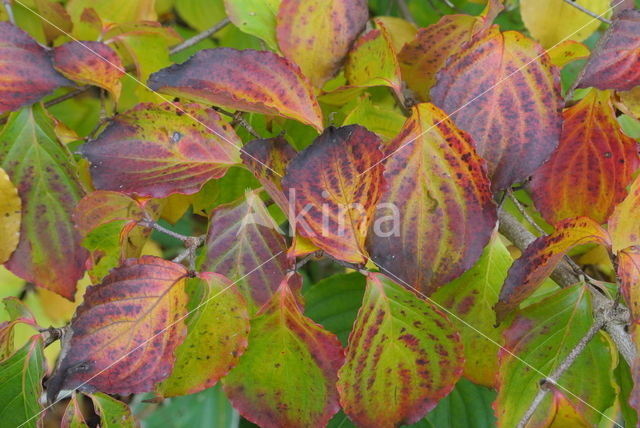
[628, 102]
[567, 52]
[10, 215]
[553, 21]
[400, 30]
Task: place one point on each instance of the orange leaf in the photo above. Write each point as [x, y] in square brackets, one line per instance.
[333, 187]
[437, 214]
[629, 276]
[249, 80]
[503, 90]
[317, 34]
[124, 335]
[624, 226]
[589, 171]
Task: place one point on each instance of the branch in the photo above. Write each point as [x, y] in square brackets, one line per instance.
[588, 12]
[562, 367]
[191, 243]
[7, 7]
[200, 36]
[404, 11]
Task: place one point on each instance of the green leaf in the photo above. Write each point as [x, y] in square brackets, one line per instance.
[218, 327]
[200, 14]
[403, 357]
[113, 413]
[543, 334]
[287, 376]
[21, 385]
[255, 17]
[468, 406]
[472, 297]
[73, 417]
[49, 253]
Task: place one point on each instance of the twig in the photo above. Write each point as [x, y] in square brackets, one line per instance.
[199, 37]
[307, 259]
[405, 110]
[67, 96]
[588, 12]
[404, 11]
[562, 367]
[524, 212]
[152, 224]
[453, 6]
[191, 243]
[7, 7]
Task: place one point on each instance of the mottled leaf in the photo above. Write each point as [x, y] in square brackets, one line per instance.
[503, 90]
[156, 150]
[218, 327]
[287, 375]
[10, 215]
[21, 385]
[400, 30]
[104, 206]
[551, 21]
[245, 245]
[403, 356]
[317, 34]
[255, 17]
[588, 173]
[629, 278]
[113, 413]
[93, 63]
[628, 102]
[255, 81]
[471, 297]
[567, 52]
[540, 258]
[73, 417]
[49, 253]
[268, 159]
[333, 187]
[122, 339]
[615, 61]
[624, 226]
[543, 335]
[26, 69]
[437, 213]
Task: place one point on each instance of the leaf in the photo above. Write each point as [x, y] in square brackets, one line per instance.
[26, 70]
[200, 14]
[503, 90]
[49, 253]
[267, 159]
[10, 215]
[384, 120]
[601, 160]
[287, 376]
[437, 213]
[333, 187]
[334, 302]
[540, 258]
[628, 102]
[249, 80]
[629, 278]
[615, 61]
[400, 30]
[105, 206]
[403, 356]
[623, 225]
[543, 335]
[468, 405]
[157, 150]
[115, 11]
[566, 52]
[218, 328]
[426, 54]
[244, 244]
[551, 22]
[21, 385]
[113, 413]
[255, 17]
[317, 34]
[73, 417]
[93, 63]
[124, 335]
[472, 297]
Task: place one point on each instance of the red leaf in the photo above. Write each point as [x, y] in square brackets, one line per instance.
[103, 206]
[403, 357]
[93, 63]
[156, 150]
[441, 208]
[333, 187]
[249, 80]
[588, 173]
[629, 277]
[503, 90]
[245, 245]
[317, 34]
[541, 257]
[268, 160]
[124, 335]
[615, 62]
[287, 376]
[26, 70]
